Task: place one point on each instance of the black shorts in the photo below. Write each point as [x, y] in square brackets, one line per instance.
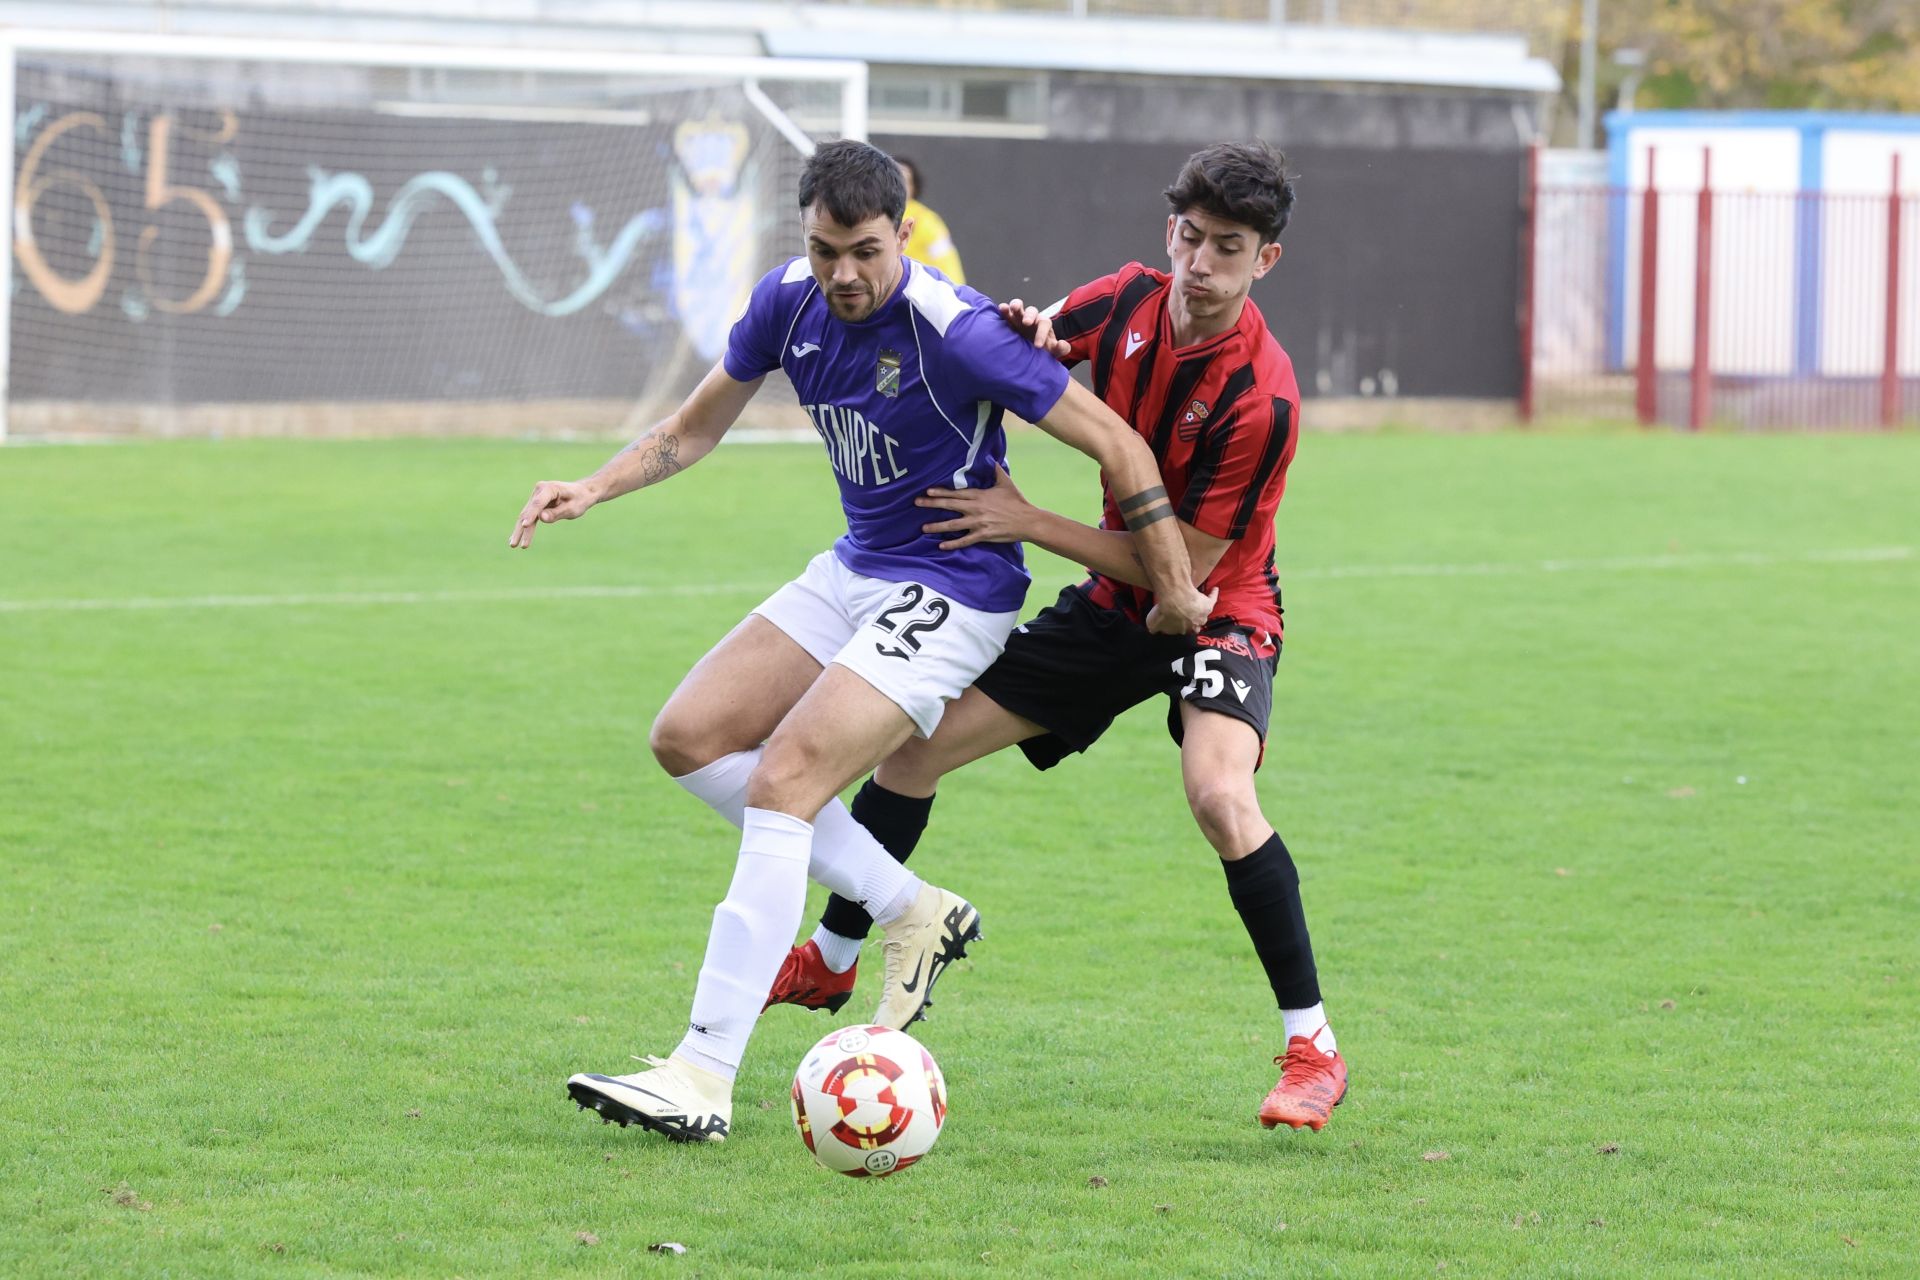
[1076, 666]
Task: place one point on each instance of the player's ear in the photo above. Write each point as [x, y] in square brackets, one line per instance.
[906, 233]
[1172, 218]
[1269, 255]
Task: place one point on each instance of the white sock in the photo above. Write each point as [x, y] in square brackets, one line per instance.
[1311, 1023]
[849, 861]
[845, 857]
[752, 929]
[723, 784]
[839, 953]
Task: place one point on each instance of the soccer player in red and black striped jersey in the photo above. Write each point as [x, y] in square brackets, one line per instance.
[1186, 358]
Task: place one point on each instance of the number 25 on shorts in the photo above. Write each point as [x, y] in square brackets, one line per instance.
[1199, 668]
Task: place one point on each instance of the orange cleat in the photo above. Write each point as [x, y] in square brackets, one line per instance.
[805, 980]
[1311, 1085]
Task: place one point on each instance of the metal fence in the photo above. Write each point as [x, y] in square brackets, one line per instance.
[1703, 307]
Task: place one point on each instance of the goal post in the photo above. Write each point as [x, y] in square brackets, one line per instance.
[228, 236]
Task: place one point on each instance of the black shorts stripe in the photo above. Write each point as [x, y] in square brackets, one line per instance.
[1137, 291]
[1269, 463]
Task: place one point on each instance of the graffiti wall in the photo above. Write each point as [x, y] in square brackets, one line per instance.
[229, 253]
[218, 247]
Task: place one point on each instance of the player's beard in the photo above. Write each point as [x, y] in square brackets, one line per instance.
[852, 306]
[864, 300]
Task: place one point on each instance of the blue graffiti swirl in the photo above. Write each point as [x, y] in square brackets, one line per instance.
[236, 287]
[226, 171]
[29, 121]
[130, 153]
[379, 249]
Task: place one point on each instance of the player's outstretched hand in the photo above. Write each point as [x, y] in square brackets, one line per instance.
[1035, 326]
[1182, 617]
[552, 500]
[999, 514]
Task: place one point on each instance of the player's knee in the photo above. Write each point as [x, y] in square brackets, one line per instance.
[681, 746]
[1228, 814]
[787, 779]
[914, 769]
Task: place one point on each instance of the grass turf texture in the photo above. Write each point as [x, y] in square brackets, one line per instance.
[307, 911]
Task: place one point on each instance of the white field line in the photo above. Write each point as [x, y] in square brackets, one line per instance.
[298, 599]
[1480, 569]
[1611, 564]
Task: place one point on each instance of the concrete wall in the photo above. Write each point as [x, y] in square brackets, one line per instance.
[1083, 107]
[1401, 266]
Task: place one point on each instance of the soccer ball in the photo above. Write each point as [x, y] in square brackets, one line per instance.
[868, 1101]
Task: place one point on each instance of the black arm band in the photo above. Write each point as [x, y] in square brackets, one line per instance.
[1145, 518]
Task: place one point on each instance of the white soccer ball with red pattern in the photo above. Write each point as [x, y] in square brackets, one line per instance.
[868, 1101]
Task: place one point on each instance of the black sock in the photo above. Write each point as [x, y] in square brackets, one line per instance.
[896, 821]
[1265, 889]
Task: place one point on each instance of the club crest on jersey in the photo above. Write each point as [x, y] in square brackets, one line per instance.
[886, 374]
[1196, 414]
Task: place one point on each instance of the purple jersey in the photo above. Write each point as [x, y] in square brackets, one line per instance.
[906, 399]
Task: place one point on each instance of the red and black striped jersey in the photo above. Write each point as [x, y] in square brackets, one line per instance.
[1222, 417]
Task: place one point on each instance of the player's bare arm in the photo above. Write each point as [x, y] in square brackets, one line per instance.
[1003, 514]
[1080, 419]
[679, 440]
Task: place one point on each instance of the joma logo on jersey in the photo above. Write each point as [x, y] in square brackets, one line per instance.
[861, 453]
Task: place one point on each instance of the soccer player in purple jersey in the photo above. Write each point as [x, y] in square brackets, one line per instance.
[906, 378]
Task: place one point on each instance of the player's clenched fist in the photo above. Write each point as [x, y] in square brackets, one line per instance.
[1182, 617]
[552, 500]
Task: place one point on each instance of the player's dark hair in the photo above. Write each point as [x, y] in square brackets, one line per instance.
[1244, 182]
[853, 182]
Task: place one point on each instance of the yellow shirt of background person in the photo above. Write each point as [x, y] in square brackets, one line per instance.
[930, 241]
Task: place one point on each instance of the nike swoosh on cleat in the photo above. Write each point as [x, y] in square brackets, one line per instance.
[913, 986]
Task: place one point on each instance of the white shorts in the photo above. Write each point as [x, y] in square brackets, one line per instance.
[918, 647]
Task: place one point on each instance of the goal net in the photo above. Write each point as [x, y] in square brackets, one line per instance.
[243, 238]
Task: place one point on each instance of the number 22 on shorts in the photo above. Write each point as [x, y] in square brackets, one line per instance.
[927, 612]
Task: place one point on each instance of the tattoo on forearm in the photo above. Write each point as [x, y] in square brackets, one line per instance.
[1139, 520]
[1142, 499]
[659, 456]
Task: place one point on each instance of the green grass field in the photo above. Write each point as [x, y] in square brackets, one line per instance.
[323, 867]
